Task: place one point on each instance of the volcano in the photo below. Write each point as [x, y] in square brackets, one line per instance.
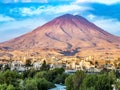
[69, 34]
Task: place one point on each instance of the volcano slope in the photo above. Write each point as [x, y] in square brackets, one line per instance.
[67, 35]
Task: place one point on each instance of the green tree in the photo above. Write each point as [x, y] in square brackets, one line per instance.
[117, 73]
[29, 73]
[45, 66]
[10, 87]
[118, 84]
[104, 82]
[74, 82]
[60, 78]
[78, 79]
[3, 86]
[11, 77]
[69, 82]
[31, 84]
[1, 78]
[43, 84]
[41, 74]
[89, 82]
[52, 74]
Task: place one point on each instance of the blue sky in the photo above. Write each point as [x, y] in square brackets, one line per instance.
[18, 17]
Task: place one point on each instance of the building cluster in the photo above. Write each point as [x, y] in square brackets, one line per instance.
[89, 63]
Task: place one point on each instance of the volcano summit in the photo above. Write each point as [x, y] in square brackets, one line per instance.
[67, 35]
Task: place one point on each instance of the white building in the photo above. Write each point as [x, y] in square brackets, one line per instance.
[15, 65]
[37, 65]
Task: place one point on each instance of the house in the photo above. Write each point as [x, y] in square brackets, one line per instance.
[15, 65]
[37, 65]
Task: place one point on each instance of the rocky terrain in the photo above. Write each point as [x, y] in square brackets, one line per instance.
[67, 35]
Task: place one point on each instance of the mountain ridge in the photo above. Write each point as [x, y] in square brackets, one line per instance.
[65, 33]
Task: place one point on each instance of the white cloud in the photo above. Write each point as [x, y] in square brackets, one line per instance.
[14, 29]
[5, 18]
[91, 16]
[27, 1]
[67, 8]
[108, 2]
[108, 24]
[29, 11]
[29, 23]
[6, 1]
[41, 1]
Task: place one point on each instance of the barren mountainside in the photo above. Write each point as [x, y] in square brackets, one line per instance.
[67, 32]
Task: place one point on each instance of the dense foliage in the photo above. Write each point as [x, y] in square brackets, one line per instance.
[42, 79]
[45, 79]
[102, 81]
